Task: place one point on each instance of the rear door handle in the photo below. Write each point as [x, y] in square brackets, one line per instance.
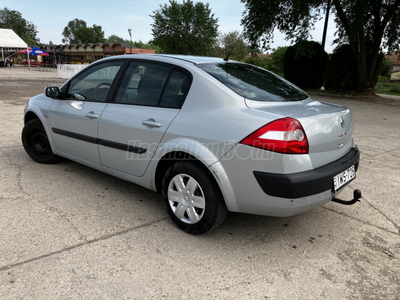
[151, 123]
[91, 115]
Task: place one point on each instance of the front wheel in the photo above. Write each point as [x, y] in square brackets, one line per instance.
[193, 198]
[36, 143]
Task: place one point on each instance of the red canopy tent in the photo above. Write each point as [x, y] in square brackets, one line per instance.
[24, 51]
[33, 51]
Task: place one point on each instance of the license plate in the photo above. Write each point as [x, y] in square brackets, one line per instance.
[344, 178]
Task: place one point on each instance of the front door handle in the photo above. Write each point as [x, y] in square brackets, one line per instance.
[91, 115]
[151, 123]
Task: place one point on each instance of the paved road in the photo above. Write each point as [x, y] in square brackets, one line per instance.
[70, 232]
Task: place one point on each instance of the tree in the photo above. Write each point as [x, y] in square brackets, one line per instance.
[116, 39]
[264, 63]
[187, 28]
[12, 19]
[341, 71]
[77, 32]
[97, 34]
[367, 25]
[272, 62]
[233, 44]
[276, 61]
[70, 31]
[142, 45]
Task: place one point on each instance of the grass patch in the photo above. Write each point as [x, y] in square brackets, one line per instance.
[384, 86]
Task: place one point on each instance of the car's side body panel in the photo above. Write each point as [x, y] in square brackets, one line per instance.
[127, 121]
[79, 137]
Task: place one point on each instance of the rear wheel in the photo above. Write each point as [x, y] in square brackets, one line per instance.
[192, 197]
[36, 143]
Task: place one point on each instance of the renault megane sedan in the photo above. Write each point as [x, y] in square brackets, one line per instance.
[210, 135]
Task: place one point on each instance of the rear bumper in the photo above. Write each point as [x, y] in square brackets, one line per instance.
[304, 184]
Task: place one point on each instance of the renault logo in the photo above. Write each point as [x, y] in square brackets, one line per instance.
[342, 122]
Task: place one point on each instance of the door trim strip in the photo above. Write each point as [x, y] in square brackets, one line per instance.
[106, 143]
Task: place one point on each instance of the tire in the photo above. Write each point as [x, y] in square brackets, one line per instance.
[36, 143]
[192, 198]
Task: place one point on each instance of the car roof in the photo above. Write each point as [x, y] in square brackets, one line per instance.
[195, 59]
[188, 58]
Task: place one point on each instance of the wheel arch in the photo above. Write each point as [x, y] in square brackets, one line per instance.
[209, 163]
[168, 160]
[30, 115]
[33, 113]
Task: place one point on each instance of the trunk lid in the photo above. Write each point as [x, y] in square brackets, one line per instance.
[329, 128]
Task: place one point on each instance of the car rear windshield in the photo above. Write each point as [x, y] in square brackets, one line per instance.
[254, 83]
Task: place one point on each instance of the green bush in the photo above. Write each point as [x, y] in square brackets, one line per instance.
[276, 61]
[385, 86]
[381, 68]
[259, 62]
[395, 89]
[301, 64]
[382, 84]
[386, 67]
[341, 71]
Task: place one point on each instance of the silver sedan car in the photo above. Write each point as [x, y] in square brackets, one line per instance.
[210, 135]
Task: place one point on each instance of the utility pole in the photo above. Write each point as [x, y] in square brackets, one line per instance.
[54, 51]
[328, 8]
[130, 34]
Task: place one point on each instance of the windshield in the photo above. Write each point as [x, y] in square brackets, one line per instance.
[254, 83]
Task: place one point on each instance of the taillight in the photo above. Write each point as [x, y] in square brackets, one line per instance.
[284, 136]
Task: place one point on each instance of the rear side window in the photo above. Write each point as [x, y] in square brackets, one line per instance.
[143, 83]
[176, 89]
[152, 84]
[254, 83]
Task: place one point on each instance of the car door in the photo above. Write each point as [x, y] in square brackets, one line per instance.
[74, 119]
[147, 101]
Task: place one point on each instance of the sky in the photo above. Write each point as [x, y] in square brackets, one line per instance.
[116, 16]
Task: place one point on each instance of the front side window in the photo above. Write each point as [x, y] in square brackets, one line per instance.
[94, 83]
[254, 83]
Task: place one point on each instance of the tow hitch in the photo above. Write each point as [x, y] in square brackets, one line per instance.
[356, 198]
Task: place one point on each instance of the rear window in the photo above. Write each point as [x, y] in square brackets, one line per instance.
[254, 83]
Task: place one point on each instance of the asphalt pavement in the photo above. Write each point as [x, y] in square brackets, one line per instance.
[70, 232]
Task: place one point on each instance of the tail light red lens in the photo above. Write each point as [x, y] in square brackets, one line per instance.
[283, 136]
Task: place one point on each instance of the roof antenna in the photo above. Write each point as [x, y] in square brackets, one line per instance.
[230, 52]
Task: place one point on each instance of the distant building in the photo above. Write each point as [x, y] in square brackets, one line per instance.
[395, 58]
[88, 53]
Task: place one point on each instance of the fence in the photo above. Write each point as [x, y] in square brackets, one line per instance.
[67, 71]
[38, 66]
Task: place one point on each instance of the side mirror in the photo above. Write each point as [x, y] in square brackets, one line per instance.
[52, 92]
